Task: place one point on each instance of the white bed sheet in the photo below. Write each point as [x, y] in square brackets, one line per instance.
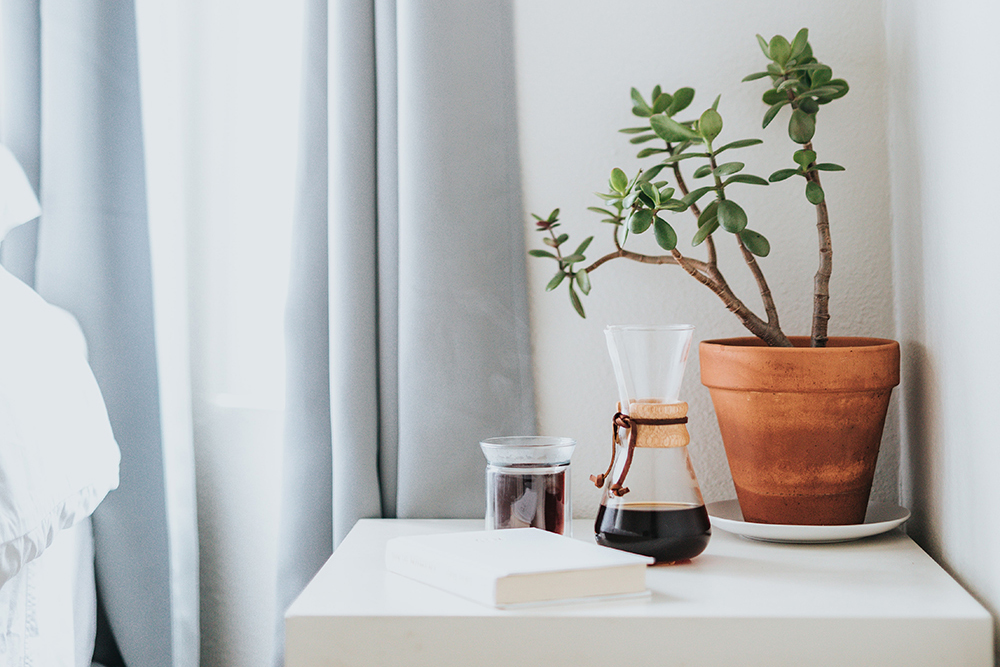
[49, 609]
[58, 460]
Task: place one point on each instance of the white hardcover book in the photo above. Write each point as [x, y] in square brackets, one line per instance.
[517, 566]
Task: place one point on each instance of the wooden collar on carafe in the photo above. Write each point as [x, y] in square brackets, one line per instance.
[648, 425]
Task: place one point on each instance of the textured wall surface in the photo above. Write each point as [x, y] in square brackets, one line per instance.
[947, 277]
[575, 69]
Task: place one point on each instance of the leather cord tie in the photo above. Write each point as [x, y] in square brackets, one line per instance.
[622, 420]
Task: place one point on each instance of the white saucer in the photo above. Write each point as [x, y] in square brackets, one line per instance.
[880, 518]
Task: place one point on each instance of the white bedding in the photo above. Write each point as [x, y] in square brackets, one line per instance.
[50, 607]
[58, 460]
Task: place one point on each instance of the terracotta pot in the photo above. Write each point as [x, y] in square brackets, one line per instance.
[801, 426]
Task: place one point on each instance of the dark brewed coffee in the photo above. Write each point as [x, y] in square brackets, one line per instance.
[668, 532]
[525, 499]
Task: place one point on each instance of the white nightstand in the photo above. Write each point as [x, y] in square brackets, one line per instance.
[880, 601]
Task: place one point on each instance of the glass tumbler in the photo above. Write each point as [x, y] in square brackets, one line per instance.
[528, 483]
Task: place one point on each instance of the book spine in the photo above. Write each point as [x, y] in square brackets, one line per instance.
[442, 570]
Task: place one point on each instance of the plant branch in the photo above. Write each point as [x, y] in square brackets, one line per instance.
[710, 242]
[766, 331]
[698, 265]
[773, 334]
[821, 282]
[765, 290]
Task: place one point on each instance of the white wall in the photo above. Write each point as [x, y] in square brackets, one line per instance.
[944, 142]
[575, 64]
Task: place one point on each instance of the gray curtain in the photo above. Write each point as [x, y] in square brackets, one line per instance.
[408, 303]
[72, 116]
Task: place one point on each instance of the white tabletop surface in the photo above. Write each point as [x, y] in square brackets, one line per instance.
[880, 601]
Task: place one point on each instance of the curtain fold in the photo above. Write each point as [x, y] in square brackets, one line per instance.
[20, 120]
[306, 527]
[73, 111]
[428, 348]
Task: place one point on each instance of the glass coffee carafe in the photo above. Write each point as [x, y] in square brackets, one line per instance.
[651, 503]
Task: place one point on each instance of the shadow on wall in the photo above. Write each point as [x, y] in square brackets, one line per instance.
[908, 278]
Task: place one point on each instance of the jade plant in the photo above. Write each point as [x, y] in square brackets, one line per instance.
[645, 201]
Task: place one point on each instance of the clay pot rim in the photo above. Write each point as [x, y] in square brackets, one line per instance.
[849, 364]
[801, 344]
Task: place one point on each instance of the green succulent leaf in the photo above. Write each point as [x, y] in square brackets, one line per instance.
[619, 181]
[793, 85]
[682, 156]
[668, 129]
[683, 146]
[806, 67]
[652, 172]
[556, 279]
[828, 166]
[650, 191]
[665, 235]
[745, 178]
[640, 221]
[634, 130]
[824, 91]
[681, 100]
[764, 46]
[695, 195]
[710, 214]
[741, 143]
[755, 76]
[780, 49]
[728, 168]
[841, 87]
[573, 259]
[809, 105]
[552, 243]
[715, 104]
[702, 171]
[782, 174]
[705, 231]
[602, 211]
[799, 42]
[804, 158]
[801, 127]
[583, 280]
[773, 96]
[553, 215]
[732, 217]
[575, 300]
[814, 193]
[642, 138]
[772, 112]
[535, 252]
[755, 243]
[639, 106]
[820, 76]
[562, 238]
[646, 152]
[583, 246]
[660, 104]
